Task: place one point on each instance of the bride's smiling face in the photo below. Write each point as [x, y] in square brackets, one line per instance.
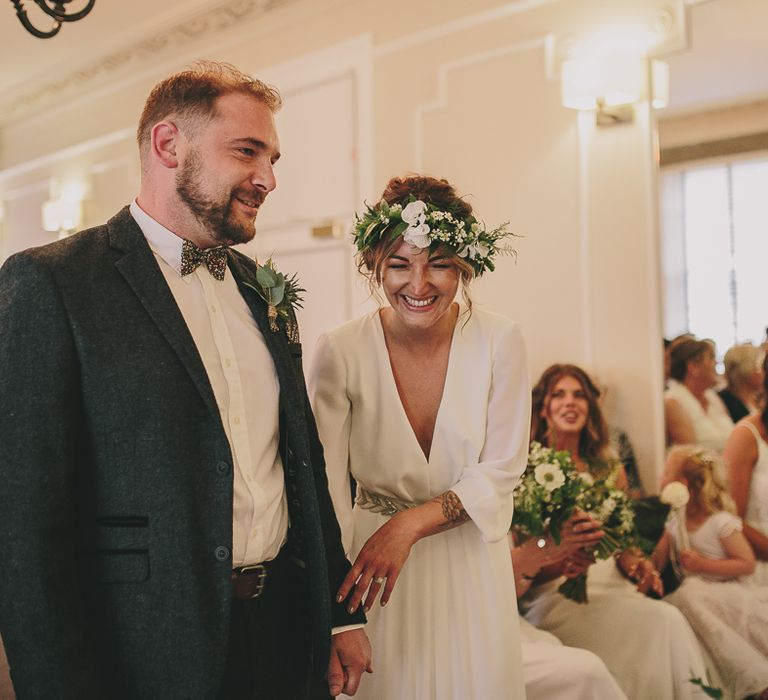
[420, 286]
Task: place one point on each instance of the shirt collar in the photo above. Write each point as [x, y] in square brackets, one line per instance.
[163, 242]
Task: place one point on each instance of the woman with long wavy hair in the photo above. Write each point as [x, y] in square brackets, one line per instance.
[646, 644]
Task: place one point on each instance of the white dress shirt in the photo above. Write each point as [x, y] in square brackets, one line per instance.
[244, 382]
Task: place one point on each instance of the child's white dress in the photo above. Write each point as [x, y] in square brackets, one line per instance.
[729, 616]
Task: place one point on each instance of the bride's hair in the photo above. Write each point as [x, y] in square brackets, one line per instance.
[439, 193]
[594, 440]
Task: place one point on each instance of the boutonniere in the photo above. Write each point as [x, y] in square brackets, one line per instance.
[283, 296]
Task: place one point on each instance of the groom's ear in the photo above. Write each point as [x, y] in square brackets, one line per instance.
[165, 140]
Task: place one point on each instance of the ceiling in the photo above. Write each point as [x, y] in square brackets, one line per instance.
[28, 62]
[725, 64]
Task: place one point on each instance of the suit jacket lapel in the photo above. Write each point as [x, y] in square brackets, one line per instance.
[244, 272]
[140, 270]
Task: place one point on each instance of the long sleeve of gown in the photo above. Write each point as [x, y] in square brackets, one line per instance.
[485, 488]
[327, 386]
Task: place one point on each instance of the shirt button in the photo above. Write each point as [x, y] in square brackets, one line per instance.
[237, 420]
[221, 553]
[222, 468]
[227, 362]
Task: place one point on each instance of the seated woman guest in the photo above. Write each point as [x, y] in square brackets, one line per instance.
[551, 670]
[746, 460]
[425, 402]
[694, 413]
[646, 644]
[744, 374]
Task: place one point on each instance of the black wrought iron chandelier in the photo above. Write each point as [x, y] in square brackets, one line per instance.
[57, 9]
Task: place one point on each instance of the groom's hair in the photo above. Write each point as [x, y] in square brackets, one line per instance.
[189, 98]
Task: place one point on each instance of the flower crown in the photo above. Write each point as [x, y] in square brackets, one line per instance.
[425, 226]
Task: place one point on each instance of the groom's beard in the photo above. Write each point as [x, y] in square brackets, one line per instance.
[214, 213]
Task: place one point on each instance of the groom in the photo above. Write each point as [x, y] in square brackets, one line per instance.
[165, 524]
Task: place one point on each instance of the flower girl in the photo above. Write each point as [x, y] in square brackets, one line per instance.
[704, 539]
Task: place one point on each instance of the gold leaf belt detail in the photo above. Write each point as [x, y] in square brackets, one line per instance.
[384, 505]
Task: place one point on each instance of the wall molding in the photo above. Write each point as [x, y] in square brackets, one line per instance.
[718, 148]
[460, 25]
[203, 26]
[441, 100]
[65, 154]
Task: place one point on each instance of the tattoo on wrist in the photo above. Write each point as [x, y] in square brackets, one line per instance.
[453, 510]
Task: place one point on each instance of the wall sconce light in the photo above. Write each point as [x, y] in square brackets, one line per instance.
[610, 85]
[64, 213]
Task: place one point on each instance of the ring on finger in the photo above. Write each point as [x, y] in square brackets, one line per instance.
[379, 580]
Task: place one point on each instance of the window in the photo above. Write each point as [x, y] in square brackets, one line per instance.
[714, 232]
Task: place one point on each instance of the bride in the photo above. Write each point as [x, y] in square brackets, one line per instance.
[426, 404]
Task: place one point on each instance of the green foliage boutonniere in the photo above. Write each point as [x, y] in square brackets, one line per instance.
[283, 296]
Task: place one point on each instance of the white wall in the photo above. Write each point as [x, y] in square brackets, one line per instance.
[467, 91]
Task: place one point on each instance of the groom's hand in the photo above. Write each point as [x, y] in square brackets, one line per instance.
[350, 656]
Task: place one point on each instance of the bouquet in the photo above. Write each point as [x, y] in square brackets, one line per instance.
[549, 492]
[612, 506]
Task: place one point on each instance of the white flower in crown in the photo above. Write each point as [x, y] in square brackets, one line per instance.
[675, 494]
[414, 213]
[417, 233]
[587, 478]
[550, 476]
[474, 251]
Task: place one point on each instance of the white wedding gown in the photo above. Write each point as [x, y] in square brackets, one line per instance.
[647, 645]
[450, 630]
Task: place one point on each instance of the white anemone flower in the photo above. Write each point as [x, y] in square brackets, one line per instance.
[675, 494]
[474, 251]
[549, 475]
[418, 236]
[414, 213]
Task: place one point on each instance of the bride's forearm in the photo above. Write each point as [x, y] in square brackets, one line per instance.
[438, 514]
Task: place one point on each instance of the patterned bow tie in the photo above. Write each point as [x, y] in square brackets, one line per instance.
[192, 257]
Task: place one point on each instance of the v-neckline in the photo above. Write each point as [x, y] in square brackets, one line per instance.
[393, 383]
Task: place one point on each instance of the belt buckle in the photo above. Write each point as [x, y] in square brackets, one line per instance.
[259, 572]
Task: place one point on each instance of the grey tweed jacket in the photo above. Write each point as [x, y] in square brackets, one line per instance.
[116, 479]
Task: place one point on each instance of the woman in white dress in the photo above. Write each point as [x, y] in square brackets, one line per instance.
[693, 411]
[646, 644]
[426, 404]
[728, 613]
[552, 670]
[746, 459]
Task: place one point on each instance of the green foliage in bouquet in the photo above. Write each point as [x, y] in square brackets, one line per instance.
[612, 506]
[547, 493]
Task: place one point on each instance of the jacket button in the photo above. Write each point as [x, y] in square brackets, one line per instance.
[221, 553]
[222, 468]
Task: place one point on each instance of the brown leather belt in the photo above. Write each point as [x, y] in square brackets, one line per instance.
[249, 581]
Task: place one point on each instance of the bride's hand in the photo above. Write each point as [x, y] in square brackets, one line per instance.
[379, 563]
